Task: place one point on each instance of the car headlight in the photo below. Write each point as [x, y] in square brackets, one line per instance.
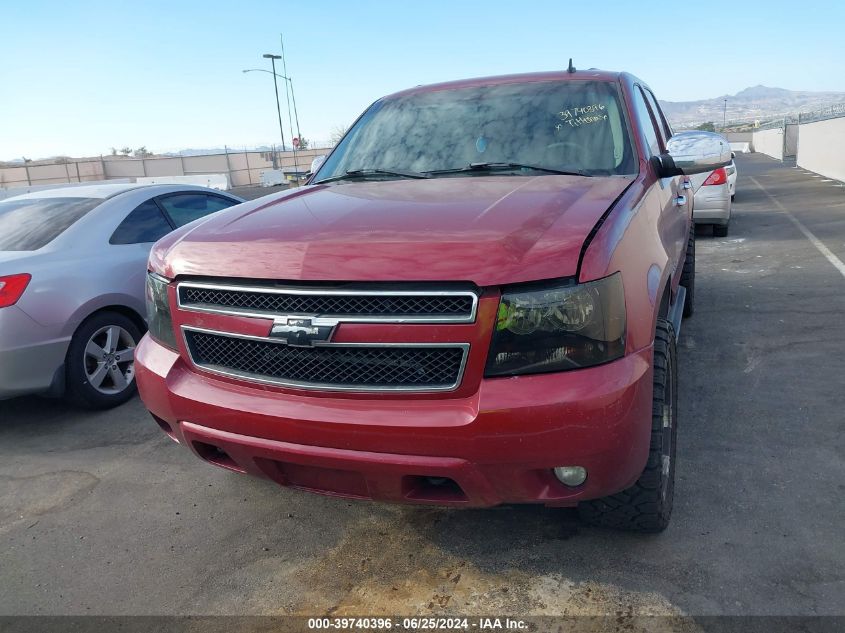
[558, 328]
[158, 311]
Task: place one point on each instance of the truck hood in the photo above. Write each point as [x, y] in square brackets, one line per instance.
[490, 230]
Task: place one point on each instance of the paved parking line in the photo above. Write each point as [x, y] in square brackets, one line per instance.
[824, 250]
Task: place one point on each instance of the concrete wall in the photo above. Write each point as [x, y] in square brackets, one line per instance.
[790, 140]
[769, 142]
[19, 191]
[241, 168]
[211, 164]
[124, 168]
[14, 177]
[164, 167]
[739, 137]
[821, 148]
[55, 174]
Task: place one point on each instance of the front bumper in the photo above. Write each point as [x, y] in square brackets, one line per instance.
[498, 445]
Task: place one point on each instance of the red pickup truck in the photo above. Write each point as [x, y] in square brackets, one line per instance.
[473, 301]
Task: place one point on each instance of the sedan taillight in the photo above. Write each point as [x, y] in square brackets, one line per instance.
[718, 177]
[12, 287]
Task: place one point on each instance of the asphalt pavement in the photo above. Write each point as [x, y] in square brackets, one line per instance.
[100, 513]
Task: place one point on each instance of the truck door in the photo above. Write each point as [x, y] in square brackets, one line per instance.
[675, 198]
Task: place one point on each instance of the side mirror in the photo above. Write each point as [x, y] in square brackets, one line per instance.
[733, 155]
[315, 165]
[693, 153]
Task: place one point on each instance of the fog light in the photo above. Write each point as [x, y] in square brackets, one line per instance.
[571, 475]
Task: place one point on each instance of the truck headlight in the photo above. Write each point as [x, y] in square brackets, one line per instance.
[158, 311]
[556, 328]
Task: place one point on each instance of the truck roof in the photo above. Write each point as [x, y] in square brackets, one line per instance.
[592, 74]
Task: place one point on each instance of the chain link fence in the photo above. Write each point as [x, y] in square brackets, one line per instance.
[831, 112]
[242, 168]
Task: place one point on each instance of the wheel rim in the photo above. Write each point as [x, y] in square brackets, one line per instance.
[109, 361]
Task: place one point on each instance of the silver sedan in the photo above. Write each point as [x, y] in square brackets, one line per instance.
[712, 200]
[72, 275]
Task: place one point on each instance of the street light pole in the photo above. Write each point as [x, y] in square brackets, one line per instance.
[725, 116]
[273, 59]
[292, 97]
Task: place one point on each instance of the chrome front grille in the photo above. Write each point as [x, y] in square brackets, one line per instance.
[357, 305]
[331, 366]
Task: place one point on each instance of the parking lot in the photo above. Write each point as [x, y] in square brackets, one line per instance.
[100, 513]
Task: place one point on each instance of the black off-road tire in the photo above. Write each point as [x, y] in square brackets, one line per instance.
[647, 505]
[79, 389]
[720, 230]
[688, 274]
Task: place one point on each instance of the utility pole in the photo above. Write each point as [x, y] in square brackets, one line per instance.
[296, 116]
[288, 95]
[725, 117]
[273, 59]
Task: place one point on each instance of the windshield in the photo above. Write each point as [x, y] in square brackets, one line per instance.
[572, 126]
[27, 225]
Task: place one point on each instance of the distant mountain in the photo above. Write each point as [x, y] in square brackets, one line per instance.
[762, 92]
[756, 102]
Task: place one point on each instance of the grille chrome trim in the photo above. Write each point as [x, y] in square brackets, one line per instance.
[339, 318]
[464, 347]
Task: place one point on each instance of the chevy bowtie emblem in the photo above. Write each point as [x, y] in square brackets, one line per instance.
[302, 332]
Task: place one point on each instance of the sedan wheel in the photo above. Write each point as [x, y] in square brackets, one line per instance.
[110, 359]
[100, 364]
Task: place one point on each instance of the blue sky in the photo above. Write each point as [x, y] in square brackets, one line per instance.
[77, 78]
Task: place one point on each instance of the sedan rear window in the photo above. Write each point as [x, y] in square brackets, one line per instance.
[27, 225]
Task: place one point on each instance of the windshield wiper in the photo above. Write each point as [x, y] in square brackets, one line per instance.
[506, 167]
[352, 174]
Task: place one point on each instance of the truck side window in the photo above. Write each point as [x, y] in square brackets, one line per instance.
[646, 123]
[662, 124]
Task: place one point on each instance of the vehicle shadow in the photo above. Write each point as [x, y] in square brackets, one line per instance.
[28, 419]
